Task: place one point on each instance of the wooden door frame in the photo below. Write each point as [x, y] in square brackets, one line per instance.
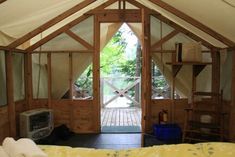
[145, 71]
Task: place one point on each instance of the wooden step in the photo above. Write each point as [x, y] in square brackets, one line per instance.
[207, 93]
[198, 139]
[202, 132]
[203, 125]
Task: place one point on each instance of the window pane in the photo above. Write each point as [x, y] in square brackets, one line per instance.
[160, 87]
[3, 91]
[60, 75]
[18, 76]
[82, 76]
[39, 72]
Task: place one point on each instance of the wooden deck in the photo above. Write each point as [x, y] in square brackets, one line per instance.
[121, 116]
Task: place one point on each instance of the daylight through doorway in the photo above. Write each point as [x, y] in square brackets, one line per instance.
[120, 82]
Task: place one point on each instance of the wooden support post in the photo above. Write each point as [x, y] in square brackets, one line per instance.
[29, 88]
[172, 107]
[124, 4]
[10, 94]
[26, 64]
[70, 76]
[232, 110]
[49, 79]
[215, 71]
[96, 75]
[146, 72]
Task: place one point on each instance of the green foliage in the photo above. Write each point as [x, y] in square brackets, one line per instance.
[84, 82]
[113, 61]
[112, 54]
[128, 67]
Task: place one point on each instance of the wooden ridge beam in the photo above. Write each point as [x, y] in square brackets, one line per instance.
[80, 40]
[50, 23]
[113, 11]
[193, 22]
[57, 32]
[116, 15]
[165, 39]
[173, 51]
[163, 51]
[65, 51]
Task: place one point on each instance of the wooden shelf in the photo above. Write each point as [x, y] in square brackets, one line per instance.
[207, 94]
[197, 67]
[203, 125]
[202, 132]
[188, 63]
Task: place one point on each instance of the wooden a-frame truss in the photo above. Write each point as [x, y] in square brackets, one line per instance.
[101, 10]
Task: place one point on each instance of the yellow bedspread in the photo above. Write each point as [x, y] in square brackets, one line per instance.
[214, 149]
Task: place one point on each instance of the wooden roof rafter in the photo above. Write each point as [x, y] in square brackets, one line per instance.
[138, 5]
[50, 23]
[193, 22]
[1, 1]
[7, 49]
[67, 26]
[57, 32]
[164, 39]
[183, 30]
[65, 51]
[79, 39]
[173, 24]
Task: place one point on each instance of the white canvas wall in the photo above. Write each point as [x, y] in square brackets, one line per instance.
[18, 76]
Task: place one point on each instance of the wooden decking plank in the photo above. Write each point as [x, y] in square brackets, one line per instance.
[121, 117]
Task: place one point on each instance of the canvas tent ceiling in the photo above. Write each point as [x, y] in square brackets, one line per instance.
[30, 14]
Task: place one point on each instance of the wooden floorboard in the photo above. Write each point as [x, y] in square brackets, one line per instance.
[121, 117]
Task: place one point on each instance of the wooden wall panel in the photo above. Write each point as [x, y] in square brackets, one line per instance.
[232, 111]
[61, 112]
[158, 105]
[39, 103]
[77, 115]
[20, 106]
[83, 117]
[4, 123]
[180, 105]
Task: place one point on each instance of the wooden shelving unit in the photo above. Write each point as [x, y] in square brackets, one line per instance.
[197, 67]
[193, 129]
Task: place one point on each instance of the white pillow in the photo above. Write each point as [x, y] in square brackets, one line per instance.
[3, 153]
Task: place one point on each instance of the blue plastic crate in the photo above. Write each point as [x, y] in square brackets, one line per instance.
[167, 132]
